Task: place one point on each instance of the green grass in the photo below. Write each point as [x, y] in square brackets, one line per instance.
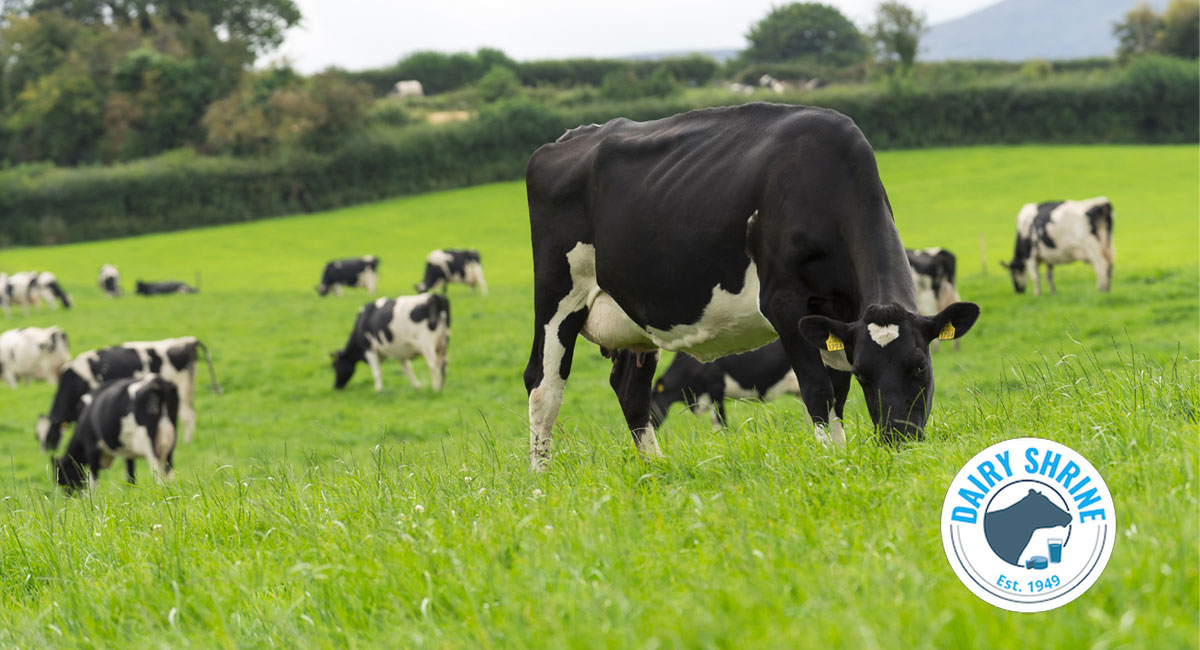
[310, 518]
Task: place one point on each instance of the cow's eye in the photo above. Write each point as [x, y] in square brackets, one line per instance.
[920, 371]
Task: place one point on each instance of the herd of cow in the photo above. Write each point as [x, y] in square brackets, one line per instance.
[126, 401]
[776, 268]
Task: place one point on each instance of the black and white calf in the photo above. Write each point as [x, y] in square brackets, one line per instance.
[445, 266]
[933, 272]
[109, 280]
[714, 232]
[31, 288]
[397, 328]
[125, 418]
[172, 359]
[164, 288]
[33, 354]
[351, 272]
[1058, 232]
[763, 374]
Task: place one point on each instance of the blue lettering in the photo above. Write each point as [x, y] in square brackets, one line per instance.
[1003, 458]
[1085, 481]
[1086, 499]
[987, 470]
[1050, 462]
[979, 484]
[1069, 472]
[965, 515]
[1091, 514]
[973, 498]
[1031, 456]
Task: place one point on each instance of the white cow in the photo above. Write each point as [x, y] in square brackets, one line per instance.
[33, 354]
[397, 328]
[31, 288]
[1059, 232]
[110, 280]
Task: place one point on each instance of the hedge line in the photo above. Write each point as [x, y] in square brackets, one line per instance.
[1151, 102]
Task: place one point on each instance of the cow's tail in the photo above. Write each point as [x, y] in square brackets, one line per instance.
[58, 292]
[212, 374]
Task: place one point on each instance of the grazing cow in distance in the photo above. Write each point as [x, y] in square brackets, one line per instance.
[110, 280]
[351, 272]
[1059, 232]
[714, 232]
[397, 328]
[933, 272]
[125, 418]
[763, 374]
[33, 354]
[164, 288]
[450, 265]
[32, 288]
[173, 359]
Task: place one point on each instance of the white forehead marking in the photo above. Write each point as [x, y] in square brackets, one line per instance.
[883, 334]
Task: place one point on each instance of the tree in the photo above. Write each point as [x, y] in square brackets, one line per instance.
[897, 31]
[1181, 29]
[1139, 32]
[499, 83]
[805, 30]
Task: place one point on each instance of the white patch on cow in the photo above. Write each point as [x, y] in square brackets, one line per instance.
[647, 443]
[883, 334]
[836, 360]
[926, 299]
[474, 277]
[833, 433]
[731, 322]
[1071, 230]
[33, 354]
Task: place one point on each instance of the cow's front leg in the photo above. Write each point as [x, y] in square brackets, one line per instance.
[372, 358]
[1103, 267]
[408, 371]
[437, 366]
[841, 389]
[1049, 281]
[337, 290]
[130, 476]
[816, 389]
[631, 378]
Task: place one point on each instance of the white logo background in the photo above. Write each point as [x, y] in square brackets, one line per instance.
[1007, 510]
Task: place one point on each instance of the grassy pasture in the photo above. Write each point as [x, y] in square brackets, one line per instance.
[311, 518]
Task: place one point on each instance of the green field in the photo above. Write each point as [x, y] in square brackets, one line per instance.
[308, 518]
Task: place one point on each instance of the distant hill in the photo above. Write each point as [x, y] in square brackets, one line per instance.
[1015, 30]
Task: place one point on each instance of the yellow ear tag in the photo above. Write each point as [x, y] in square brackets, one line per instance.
[833, 344]
[947, 332]
[660, 388]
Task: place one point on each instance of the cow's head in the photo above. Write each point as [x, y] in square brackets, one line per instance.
[1020, 276]
[678, 384]
[344, 364]
[322, 289]
[888, 351]
[69, 472]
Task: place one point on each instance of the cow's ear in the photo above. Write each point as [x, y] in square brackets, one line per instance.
[952, 322]
[825, 333]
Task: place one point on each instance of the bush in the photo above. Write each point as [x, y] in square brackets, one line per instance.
[1153, 100]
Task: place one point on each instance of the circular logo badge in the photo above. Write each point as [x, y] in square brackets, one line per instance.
[1028, 525]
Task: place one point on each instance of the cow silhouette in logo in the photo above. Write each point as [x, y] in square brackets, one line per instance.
[1008, 531]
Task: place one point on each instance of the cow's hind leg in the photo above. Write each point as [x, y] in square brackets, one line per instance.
[631, 378]
[130, 476]
[412, 379]
[1049, 281]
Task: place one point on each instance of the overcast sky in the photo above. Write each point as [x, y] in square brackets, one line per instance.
[357, 34]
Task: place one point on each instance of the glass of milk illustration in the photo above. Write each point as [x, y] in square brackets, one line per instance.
[1055, 550]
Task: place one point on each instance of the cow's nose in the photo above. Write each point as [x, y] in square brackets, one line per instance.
[905, 429]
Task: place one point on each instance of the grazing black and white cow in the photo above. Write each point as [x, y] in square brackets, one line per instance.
[173, 359]
[351, 272]
[933, 272]
[714, 232]
[32, 288]
[164, 288]
[125, 418]
[110, 281]
[33, 354]
[763, 374]
[397, 328]
[445, 266]
[1058, 232]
